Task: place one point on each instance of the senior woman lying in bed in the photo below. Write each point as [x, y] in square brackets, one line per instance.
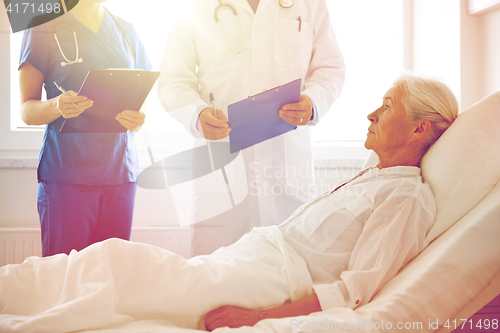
[337, 250]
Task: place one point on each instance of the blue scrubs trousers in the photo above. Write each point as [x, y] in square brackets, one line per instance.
[74, 216]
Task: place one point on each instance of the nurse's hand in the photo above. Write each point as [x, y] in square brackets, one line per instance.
[131, 120]
[72, 106]
[298, 114]
[212, 128]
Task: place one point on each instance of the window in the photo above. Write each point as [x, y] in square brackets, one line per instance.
[152, 27]
[369, 33]
[370, 37]
[15, 46]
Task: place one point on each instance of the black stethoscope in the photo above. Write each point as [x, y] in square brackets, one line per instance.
[79, 60]
[283, 3]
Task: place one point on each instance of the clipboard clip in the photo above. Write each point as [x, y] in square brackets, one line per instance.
[124, 69]
[263, 91]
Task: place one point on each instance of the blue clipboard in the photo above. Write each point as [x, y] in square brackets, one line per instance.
[112, 90]
[255, 119]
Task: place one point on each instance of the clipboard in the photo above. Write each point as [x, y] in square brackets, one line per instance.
[255, 119]
[112, 90]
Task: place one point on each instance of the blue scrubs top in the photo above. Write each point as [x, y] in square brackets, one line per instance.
[83, 158]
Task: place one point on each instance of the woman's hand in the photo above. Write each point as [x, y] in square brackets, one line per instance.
[231, 316]
[131, 120]
[34, 111]
[72, 106]
[299, 113]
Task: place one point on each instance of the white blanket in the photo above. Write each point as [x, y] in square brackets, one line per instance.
[114, 283]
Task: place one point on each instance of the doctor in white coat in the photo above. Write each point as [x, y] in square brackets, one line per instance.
[235, 48]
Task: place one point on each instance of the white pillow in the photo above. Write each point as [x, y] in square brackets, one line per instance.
[464, 164]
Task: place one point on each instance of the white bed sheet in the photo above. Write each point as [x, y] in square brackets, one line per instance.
[435, 286]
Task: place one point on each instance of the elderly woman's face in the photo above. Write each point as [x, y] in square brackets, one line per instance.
[389, 131]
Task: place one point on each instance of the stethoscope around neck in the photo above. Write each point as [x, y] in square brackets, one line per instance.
[68, 62]
[79, 60]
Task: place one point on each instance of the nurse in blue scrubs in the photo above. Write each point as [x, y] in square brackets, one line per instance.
[86, 181]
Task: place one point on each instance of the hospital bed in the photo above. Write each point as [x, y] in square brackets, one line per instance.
[455, 275]
[459, 271]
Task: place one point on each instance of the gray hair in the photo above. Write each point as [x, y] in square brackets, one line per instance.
[427, 99]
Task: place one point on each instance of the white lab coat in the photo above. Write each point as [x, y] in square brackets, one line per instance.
[199, 60]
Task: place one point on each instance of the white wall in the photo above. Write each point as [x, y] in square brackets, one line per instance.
[490, 29]
[436, 41]
[462, 49]
[471, 51]
[18, 197]
[480, 54]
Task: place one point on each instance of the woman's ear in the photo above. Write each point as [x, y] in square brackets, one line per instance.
[422, 129]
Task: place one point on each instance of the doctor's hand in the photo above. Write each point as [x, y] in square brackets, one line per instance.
[298, 114]
[231, 316]
[212, 128]
[72, 106]
[131, 120]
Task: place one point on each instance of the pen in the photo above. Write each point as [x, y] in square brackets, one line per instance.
[212, 100]
[61, 89]
[300, 24]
